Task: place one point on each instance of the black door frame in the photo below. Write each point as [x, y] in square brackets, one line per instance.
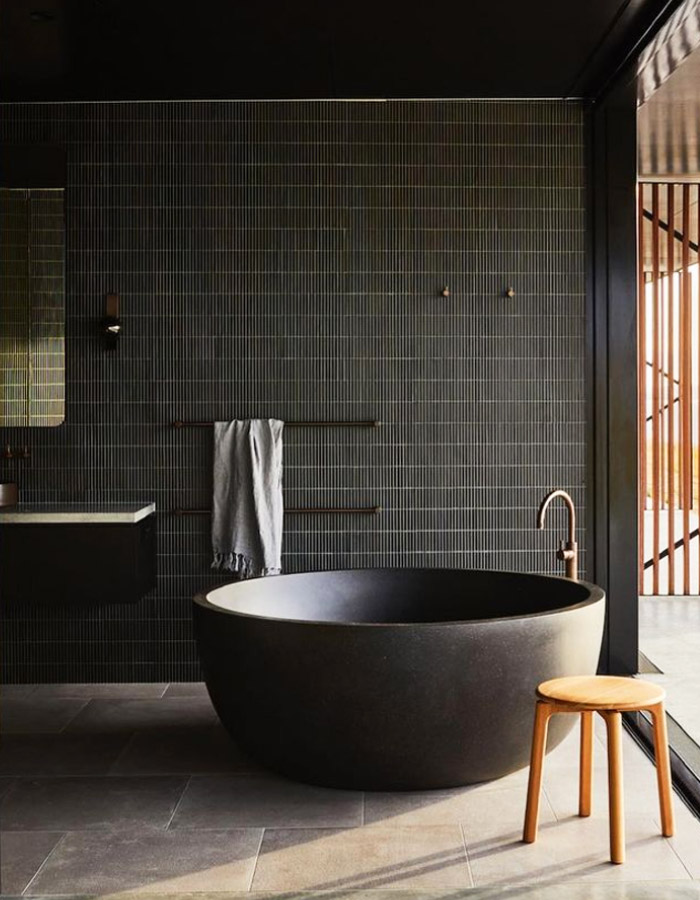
[611, 352]
[612, 368]
[614, 433]
[613, 438]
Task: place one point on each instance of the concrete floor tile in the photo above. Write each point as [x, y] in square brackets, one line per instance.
[197, 751]
[652, 890]
[513, 780]
[186, 689]
[59, 754]
[631, 749]
[682, 704]
[116, 841]
[565, 753]
[337, 860]
[16, 691]
[640, 790]
[444, 807]
[566, 756]
[632, 754]
[76, 804]
[21, 856]
[674, 654]
[5, 785]
[669, 636]
[266, 801]
[117, 691]
[693, 637]
[500, 815]
[686, 839]
[34, 715]
[157, 862]
[575, 850]
[120, 716]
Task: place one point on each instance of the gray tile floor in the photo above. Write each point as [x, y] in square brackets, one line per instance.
[136, 790]
[669, 636]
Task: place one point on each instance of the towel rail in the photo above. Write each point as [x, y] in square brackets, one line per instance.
[340, 510]
[367, 423]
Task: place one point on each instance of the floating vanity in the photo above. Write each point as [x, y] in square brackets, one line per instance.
[77, 553]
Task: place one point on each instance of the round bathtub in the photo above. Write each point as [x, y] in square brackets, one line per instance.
[393, 679]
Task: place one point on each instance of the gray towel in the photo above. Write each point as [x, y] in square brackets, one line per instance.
[248, 509]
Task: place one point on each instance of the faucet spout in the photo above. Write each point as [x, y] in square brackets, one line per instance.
[568, 551]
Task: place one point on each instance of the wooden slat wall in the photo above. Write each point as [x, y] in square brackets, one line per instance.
[642, 382]
[669, 395]
[656, 499]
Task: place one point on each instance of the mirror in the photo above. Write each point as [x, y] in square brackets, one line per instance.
[32, 306]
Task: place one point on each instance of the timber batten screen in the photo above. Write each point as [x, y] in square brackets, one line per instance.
[669, 394]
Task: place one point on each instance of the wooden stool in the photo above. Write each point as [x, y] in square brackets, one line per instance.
[610, 696]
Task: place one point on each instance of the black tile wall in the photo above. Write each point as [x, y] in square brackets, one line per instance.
[287, 260]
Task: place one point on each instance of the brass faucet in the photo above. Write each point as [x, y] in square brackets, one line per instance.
[568, 550]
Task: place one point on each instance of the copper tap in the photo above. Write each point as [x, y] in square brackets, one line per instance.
[568, 550]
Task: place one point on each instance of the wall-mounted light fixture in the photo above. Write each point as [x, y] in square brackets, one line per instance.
[111, 325]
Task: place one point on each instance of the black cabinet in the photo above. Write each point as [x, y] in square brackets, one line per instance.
[77, 563]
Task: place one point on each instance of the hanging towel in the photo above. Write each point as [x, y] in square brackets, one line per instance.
[248, 508]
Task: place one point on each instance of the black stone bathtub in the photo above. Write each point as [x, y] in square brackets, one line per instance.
[393, 679]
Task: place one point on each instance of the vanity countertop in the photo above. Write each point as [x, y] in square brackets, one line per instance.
[75, 513]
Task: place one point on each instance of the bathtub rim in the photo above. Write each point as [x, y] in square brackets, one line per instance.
[596, 594]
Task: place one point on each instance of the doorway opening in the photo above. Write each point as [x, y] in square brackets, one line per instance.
[669, 451]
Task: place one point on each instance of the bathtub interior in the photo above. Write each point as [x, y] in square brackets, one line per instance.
[399, 596]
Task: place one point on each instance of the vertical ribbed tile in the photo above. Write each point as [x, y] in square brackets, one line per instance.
[287, 260]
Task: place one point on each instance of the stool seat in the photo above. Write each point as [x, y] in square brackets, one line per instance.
[598, 692]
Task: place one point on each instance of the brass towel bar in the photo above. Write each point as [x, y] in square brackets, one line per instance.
[340, 510]
[311, 510]
[369, 423]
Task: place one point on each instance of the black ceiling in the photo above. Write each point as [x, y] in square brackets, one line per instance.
[262, 49]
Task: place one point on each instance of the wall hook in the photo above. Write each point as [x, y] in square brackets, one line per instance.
[111, 325]
[510, 292]
[445, 291]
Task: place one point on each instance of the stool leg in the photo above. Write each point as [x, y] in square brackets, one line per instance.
[613, 721]
[586, 764]
[534, 786]
[663, 768]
